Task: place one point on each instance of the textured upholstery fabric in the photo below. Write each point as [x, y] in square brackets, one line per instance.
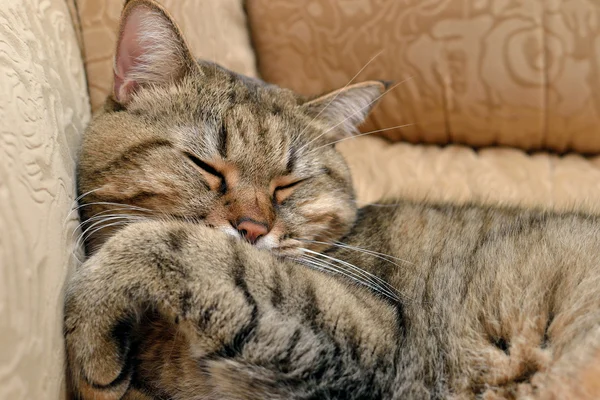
[460, 174]
[72, 5]
[524, 74]
[44, 108]
[216, 30]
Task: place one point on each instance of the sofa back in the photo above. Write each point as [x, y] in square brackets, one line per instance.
[523, 74]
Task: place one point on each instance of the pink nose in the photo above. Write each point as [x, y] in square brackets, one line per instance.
[252, 230]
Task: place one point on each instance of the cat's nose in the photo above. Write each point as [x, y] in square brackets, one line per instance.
[251, 230]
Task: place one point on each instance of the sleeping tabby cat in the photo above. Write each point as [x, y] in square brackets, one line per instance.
[228, 259]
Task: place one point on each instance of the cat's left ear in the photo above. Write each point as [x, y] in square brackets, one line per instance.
[345, 109]
[151, 50]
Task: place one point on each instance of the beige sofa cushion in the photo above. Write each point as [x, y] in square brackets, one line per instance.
[216, 30]
[43, 110]
[459, 174]
[524, 74]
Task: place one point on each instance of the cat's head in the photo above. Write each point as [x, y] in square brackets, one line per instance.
[193, 141]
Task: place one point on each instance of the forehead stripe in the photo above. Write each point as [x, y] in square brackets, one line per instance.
[291, 161]
[130, 153]
[222, 141]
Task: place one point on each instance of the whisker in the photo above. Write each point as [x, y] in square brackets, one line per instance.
[104, 215]
[354, 267]
[75, 254]
[340, 91]
[86, 233]
[101, 218]
[359, 274]
[359, 271]
[108, 211]
[111, 210]
[380, 204]
[357, 111]
[107, 226]
[124, 206]
[379, 281]
[377, 254]
[329, 268]
[374, 253]
[76, 201]
[82, 235]
[81, 196]
[362, 134]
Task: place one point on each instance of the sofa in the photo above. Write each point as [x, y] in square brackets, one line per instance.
[491, 101]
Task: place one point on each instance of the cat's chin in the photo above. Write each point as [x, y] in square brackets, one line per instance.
[269, 242]
[286, 248]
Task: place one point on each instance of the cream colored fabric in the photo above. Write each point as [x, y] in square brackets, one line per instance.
[459, 174]
[72, 5]
[524, 74]
[43, 110]
[215, 30]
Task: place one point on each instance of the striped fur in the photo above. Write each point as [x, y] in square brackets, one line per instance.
[405, 300]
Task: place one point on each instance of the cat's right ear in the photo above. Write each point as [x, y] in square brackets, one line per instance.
[151, 50]
[344, 109]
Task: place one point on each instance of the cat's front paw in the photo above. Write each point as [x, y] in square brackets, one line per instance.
[178, 271]
[97, 325]
[134, 272]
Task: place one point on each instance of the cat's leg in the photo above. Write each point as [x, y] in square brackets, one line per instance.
[533, 329]
[573, 338]
[253, 326]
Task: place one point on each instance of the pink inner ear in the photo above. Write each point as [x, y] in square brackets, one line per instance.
[129, 50]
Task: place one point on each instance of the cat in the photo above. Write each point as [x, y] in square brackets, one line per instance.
[228, 259]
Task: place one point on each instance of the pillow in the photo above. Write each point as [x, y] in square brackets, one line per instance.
[215, 30]
[459, 175]
[523, 74]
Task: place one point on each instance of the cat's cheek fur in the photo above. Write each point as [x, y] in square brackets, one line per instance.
[327, 217]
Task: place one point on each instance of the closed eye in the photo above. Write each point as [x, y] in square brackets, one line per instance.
[282, 192]
[289, 185]
[206, 167]
[209, 169]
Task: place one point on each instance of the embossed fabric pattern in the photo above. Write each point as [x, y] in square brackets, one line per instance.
[215, 30]
[459, 174]
[524, 74]
[44, 108]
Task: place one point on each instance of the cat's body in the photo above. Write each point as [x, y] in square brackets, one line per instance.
[491, 300]
[407, 301]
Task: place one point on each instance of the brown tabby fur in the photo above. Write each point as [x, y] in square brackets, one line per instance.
[492, 303]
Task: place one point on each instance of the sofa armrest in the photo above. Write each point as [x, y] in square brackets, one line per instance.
[44, 108]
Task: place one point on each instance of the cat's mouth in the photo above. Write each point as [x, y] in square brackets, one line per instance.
[279, 244]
